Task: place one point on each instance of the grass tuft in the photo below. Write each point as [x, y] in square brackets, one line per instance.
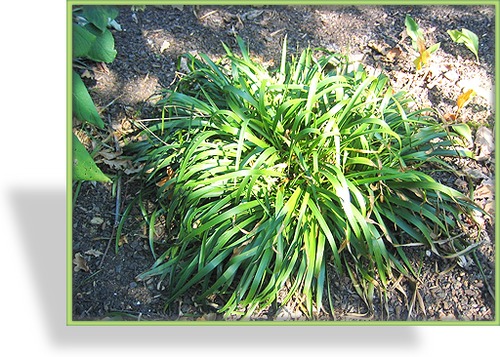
[263, 177]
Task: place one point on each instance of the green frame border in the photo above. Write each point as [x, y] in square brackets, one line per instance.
[69, 195]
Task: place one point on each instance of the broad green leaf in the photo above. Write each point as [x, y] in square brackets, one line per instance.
[82, 41]
[103, 48]
[84, 167]
[413, 30]
[473, 41]
[468, 38]
[463, 130]
[83, 106]
[99, 15]
[434, 48]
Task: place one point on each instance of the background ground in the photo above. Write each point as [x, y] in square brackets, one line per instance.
[148, 47]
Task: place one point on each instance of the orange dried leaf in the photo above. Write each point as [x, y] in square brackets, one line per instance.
[464, 98]
[450, 117]
[420, 45]
[170, 174]
[393, 54]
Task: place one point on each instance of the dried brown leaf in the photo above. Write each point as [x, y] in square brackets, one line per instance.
[80, 263]
[123, 240]
[96, 221]
[485, 143]
[484, 191]
[164, 46]
[117, 164]
[450, 117]
[208, 317]
[94, 252]
[132, 171]
[393, 54]
[87, 74]
[489, 207]
[108, 155]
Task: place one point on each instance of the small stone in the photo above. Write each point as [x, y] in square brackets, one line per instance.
[133, 285]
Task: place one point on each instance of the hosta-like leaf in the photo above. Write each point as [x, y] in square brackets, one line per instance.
[99, 15]
[83, 105]
[82, 41]
[103, 48]
[84, 167]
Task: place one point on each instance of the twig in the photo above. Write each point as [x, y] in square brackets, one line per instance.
[117, 215]
[110, 103]
[272, 34]
[207, 15]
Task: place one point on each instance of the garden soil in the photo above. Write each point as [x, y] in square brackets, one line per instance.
[149, 41]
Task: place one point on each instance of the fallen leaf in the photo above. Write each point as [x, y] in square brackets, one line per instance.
[165, 45]
[484, 143]
[450, 117]
[178, 7]
[489, 207]
[117, 164]
[170, 174]
[464, 98]
[485, 190]
[87, 74]
[132, 171]
[393, 54]
[97, 221]
[80, 263]
[380, 47]
[108, 155]
[123, 240]
[251, 15]
[183, 65]
[93, 252]
[101, 66]
[208, 317]
[475, 174]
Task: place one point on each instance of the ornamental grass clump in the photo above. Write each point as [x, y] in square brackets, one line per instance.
[265, 177]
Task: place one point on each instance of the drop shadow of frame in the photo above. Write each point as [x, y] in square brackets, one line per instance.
[41, 218]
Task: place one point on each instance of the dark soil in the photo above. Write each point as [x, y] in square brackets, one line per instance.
[148, 47]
